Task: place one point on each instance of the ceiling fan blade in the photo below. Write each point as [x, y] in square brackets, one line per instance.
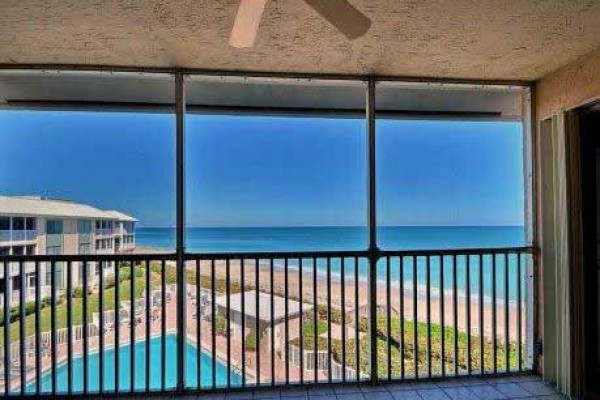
[246, 23]
[343, 15]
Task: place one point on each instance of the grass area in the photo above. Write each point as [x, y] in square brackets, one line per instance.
[251, 340]
[408, 352]
[448, 335]
[77, 304]
[220, 325]
[308, 328]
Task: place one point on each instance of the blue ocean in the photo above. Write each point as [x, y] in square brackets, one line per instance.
[218, 240]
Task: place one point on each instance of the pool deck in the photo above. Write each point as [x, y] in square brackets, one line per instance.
[220, 350]
[206, 339]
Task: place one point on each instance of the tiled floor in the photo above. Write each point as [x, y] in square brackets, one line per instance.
[501, 388]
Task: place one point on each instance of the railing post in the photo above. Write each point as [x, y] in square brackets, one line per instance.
[372, 227]
[180, 230]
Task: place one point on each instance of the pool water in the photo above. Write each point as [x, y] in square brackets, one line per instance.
[155, 365]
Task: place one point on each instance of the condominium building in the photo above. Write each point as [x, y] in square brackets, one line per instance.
[40, 226]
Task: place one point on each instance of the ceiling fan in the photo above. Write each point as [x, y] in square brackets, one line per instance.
[340, 13]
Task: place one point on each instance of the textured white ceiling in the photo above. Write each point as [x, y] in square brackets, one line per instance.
[489, 39]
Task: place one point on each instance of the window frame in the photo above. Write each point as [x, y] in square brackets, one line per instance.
[57, 227]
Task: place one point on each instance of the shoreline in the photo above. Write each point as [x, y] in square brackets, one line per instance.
[335, 277]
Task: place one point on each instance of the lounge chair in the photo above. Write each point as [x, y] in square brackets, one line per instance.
[155, 314]
[45, 349]
[124, 317]
[156, 298]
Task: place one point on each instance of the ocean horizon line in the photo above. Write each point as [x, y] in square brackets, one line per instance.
[336, 226]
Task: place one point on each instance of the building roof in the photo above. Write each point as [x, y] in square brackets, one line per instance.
[39, 207]
[235, 304]
[120, 216]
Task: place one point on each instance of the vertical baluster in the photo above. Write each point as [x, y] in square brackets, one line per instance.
[228, 317]
[315, 316]
[102, 328]
[494, 347]
[70, 327]
[117, 320]
[213, 290]
[356, 321]
[272, 289]
[6, 328]
[53, 354]
[38, 330]
[415, 319]
[163, 317]
[148, 324]
[198, 327]
[442, 317]
[468, 310]
[85, 333]
[343, 315]
[243, 301]
[301, 319]
[506, 315]
[257, 319]
[519, 315]
[132, 323]
[481, 319]
[455, 312]
[428, 310]
[329, 349]
[287, 328]
[402, 318]
[388, 295]
[22, 359]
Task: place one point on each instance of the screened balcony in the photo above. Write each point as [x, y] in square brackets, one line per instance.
[363, 318]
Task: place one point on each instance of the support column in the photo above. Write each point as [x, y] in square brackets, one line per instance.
[180, 228]
[372, 228]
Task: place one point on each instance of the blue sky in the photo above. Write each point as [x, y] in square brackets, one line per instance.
[267, 171]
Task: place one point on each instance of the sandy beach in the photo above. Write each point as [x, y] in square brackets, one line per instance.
[350, 289]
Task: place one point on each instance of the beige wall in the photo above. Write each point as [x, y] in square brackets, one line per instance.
[70, 238]
[41, 235]
[572, 85]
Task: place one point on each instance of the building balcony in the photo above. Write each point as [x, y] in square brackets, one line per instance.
[105, 232]
[7, 236]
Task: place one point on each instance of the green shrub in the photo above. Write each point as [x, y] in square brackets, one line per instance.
[309, 328]
[171, 275]
[109, 282]
[15, 312]
[171, 272]
[78, 292]
[124, 273]
[29, 307]
[251, 340]
[220, 324]
[140, 272]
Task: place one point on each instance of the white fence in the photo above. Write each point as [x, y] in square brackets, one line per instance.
[337, 370]
[62, 338]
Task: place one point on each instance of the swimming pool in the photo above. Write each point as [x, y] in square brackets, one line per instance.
[155, 365]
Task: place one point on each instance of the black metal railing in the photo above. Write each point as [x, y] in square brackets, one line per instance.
[117, 324]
